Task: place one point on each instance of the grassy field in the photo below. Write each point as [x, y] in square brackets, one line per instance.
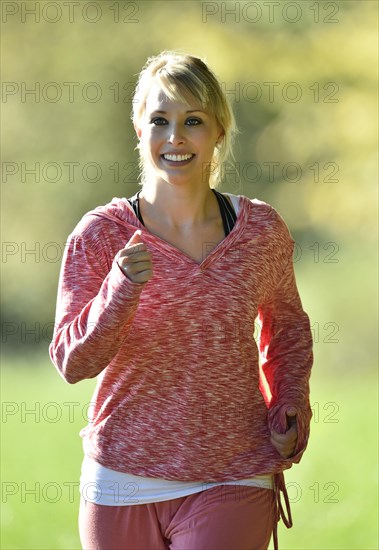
[333, 491]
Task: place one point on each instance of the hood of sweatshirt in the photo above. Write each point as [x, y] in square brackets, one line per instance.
[256, 220]
[120, 211]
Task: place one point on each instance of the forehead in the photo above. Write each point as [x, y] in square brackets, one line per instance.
[157, 100]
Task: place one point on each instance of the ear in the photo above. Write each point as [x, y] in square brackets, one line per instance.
[220, 138]
[138, 131]
[221, 133]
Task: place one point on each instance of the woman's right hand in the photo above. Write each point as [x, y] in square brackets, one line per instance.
[135, 260]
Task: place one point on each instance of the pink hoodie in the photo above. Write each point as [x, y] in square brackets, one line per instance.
[179, 391]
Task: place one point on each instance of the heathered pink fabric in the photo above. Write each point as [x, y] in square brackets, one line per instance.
[179, 393]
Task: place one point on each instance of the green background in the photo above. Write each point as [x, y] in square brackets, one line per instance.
[302, 78]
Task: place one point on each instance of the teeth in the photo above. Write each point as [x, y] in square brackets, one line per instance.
[177, 158]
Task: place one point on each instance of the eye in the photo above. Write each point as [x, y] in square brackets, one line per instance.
[193, 121]
[158, 121]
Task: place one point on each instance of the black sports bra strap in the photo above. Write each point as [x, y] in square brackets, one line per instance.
[228, 214]
[134, 201]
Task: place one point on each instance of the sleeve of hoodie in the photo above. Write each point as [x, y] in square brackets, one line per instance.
[285, 343]
[96, 304]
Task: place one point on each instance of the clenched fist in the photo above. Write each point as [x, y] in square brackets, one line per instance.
[285, 443]
[135, 260]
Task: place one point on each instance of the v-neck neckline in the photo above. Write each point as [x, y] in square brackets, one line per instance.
[176, 253]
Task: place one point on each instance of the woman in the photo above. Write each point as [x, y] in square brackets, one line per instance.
[185, 448]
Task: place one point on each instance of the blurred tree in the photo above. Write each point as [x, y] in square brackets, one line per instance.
[305, 97]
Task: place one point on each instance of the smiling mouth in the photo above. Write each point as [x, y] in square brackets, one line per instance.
[179, 159]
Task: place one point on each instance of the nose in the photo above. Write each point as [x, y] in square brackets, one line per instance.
[176, 136]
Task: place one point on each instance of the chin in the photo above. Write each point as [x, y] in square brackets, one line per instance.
[175, 179]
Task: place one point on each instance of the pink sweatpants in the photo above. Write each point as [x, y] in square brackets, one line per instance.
[227, 517]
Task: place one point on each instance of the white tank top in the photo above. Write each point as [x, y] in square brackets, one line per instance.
[101, 485]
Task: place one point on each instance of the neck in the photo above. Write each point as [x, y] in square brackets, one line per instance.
[178, 207]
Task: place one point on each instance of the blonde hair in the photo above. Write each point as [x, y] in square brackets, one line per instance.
[181, 76]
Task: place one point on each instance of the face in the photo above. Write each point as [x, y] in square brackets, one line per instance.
[177, 140]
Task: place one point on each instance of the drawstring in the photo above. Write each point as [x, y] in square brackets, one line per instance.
[280, 486]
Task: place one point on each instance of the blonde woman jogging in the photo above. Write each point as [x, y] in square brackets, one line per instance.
[158, 298]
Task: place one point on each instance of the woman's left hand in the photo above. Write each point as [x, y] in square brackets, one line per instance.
[285, 443]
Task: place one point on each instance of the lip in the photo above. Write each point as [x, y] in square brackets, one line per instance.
[177, 162]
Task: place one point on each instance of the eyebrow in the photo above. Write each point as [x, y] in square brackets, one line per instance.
[192, 111]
